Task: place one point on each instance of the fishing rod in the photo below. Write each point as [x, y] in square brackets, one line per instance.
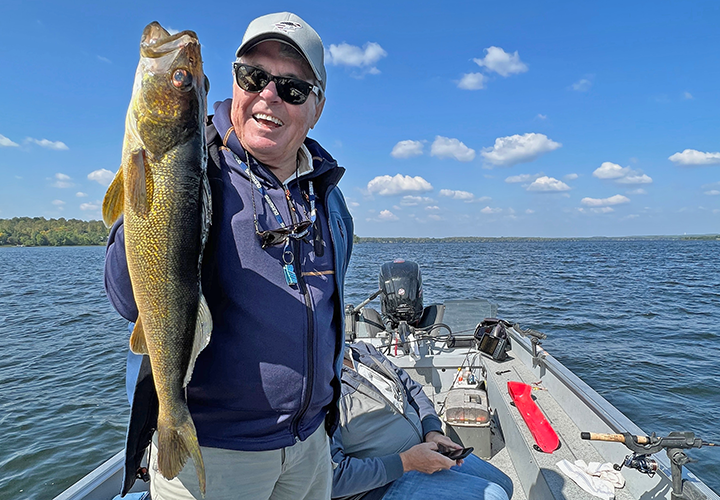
[644, 446]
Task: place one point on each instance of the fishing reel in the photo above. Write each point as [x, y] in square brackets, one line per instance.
[644, 446]
[640, 462]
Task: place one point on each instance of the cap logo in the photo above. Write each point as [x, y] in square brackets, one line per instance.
[287, 26]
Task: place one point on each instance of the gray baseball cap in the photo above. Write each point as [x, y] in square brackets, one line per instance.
[291, 29]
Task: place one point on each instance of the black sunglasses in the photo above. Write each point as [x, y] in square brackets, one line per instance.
[291, 90]
[274, 237]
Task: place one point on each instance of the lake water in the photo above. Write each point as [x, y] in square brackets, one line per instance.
[637, 320]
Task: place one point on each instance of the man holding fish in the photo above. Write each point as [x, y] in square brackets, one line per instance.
[259, 361]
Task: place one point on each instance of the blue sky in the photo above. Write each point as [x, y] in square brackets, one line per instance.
[516, 118]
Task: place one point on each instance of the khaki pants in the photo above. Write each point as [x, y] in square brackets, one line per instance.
[299, 472]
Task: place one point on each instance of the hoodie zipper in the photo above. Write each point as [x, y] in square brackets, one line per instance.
[311, 324]
[302, 286]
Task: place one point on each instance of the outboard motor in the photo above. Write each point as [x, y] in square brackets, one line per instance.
[401, 287]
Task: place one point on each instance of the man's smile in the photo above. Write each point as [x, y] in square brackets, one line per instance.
[267, 120]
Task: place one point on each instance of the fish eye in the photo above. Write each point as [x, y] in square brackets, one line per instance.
[181, 79]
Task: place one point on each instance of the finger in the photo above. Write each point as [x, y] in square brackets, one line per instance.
[446, 441]
[445, 463]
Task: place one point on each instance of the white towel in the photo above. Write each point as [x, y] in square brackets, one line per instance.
[597, 479]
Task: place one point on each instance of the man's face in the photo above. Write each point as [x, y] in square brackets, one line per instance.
[268, 127]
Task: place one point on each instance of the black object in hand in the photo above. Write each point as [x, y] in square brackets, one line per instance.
[454, 454]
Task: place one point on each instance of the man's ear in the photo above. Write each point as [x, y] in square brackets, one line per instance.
[318, 112]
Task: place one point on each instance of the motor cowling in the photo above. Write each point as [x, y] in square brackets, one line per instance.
[401, 286]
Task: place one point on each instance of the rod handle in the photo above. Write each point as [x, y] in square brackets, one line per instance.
[618, 438]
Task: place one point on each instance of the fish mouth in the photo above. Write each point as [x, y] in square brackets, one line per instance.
[156, 41]
[264, 119]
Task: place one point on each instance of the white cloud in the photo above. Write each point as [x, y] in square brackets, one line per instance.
[571, 177]
[407, 149]
[62, 181]
[501, 62]
[635, 178]
[596, 210]
[457, 195]
[515, 179]
[353, 204]
[385, 185]
[712, 192]
[435, 217]
[488, 210]
[92, 206]
[7, 143]
[626, 175]
[80, 194]
[472, 81]
[444, 147]
[44, 143]
[411, 201]
[546, 183]
[608, 170]
[687, 95]
[695, 157]
[432, 207]
[104, 59]
[582, 85]
[637, 191]
[603, 202]
[103, 176]
[351, 55]
[529, 211]
[515, 149]
[58, 203]
[541, 117]
[387, 215]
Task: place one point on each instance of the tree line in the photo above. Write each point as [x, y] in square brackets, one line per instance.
[39, 231]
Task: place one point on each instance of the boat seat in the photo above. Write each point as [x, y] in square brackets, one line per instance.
[369, 323]
[431, 315]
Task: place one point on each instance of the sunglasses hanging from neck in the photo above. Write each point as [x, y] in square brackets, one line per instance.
[283, 234]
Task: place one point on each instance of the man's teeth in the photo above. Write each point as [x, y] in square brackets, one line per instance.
[276, 121]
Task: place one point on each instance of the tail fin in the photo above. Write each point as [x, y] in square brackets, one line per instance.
[175, 445]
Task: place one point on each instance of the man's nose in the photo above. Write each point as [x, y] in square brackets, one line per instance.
[270, 92]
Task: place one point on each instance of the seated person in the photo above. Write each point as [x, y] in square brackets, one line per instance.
[387, 441]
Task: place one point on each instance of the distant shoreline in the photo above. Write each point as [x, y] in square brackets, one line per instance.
[488, 239]
[38, 231]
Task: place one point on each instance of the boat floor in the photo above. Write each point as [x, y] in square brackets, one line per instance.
[539, 469]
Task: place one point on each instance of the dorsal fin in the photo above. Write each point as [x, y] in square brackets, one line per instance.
[114, 201]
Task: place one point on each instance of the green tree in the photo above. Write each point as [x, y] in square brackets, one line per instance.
[38, 231]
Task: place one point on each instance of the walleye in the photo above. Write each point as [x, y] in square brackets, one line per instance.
[162, 189]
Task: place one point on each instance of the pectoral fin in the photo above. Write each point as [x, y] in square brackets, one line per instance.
[139, 182]
[203, 329]
[114, 200]
[137, 339]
